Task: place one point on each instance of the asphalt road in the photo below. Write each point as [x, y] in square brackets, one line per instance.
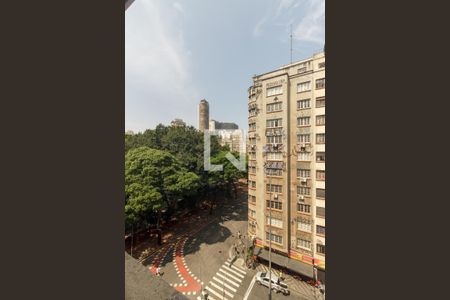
[203, 260]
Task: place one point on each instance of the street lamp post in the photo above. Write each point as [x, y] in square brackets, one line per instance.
[270, 225]
[132, 233]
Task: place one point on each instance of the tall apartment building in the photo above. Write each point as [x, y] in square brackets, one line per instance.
[203, 115]
[287, 138]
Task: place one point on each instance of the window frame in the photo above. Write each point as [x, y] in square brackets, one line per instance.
[307, 84]
[274, 88]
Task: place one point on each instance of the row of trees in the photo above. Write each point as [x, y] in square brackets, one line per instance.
[164, 171]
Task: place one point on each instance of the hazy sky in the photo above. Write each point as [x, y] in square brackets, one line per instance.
[178, 52]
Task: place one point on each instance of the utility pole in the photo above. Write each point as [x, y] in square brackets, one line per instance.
[270, 224]
[132, 233]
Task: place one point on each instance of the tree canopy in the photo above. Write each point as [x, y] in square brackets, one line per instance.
[164, 166]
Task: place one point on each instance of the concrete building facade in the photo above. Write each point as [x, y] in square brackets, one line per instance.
[178, 123]
[286, 138]
[203, 115]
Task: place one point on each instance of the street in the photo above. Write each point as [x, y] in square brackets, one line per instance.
[203, 260]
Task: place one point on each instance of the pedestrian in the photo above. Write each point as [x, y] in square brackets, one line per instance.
[158, 271]
[206, 295]
[239, 234]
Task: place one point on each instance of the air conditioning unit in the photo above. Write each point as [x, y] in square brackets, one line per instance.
[275, 196]
[304, 179]
[301, 198]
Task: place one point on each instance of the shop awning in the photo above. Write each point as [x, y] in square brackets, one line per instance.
[278, 259]
[301, 267]
[283, 261]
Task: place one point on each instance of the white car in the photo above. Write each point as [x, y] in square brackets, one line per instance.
[277, 284]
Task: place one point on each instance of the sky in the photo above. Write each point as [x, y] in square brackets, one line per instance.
[178, 52]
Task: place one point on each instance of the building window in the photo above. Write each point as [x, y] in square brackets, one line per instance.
[276, 90]
[252, 198]
[275, 222]
[274, 156]
[320, 138]
[274, 204]
[274, 172]
[252, 184]
[320, 230]
[303, 190]
[305, 244]
[304, 225]
[320, 120]
[273, 123]
[320, 175]
[275, 238]
[303, 173]
[303, 156]
[252, 141]
[303, 138]
[320, 156]
[304, 86]
[321, 65]
[320, 193]
[251, 126]
[274, 139]
[274, 107]
[320, 101]
[252, 169]
[320, 83]
[252, 213]
[320, 212]
[303, 103]
[320, 249]
[304, 208]
[302, 121]
[273, 188]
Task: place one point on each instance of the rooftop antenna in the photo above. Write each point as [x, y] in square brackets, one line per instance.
[291, 43]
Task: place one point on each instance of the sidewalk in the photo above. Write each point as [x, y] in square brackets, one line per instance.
[148, 243]
[301, 287]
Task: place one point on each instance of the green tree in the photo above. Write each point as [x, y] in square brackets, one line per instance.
[155, 181]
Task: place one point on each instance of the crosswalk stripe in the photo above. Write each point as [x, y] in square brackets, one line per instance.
[237, 269]
[229, 275]
[228, 279]
[219, 288]
[215, 293]
[224, 284]
[242, 268]
[231, 270]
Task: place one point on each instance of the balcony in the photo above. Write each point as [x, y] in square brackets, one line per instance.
[273, 147]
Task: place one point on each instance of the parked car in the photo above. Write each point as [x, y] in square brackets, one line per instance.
[262, 278]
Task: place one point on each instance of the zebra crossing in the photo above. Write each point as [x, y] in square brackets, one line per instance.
[299, 286]
[225, 283]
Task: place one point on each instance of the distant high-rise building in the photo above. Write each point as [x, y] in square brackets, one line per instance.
[215, 125]
[178, 123]
[203, 115]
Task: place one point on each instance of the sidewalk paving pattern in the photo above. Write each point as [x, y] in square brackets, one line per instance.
[298, 286]
[225, 282]
[189, 283]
